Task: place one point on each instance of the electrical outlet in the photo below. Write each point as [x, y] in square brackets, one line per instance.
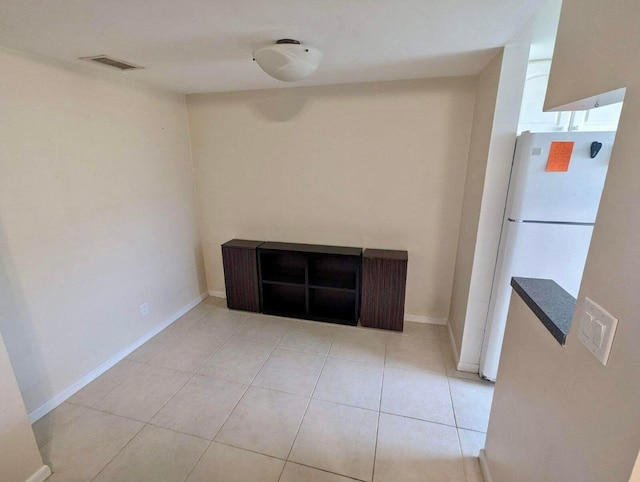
[144, 309]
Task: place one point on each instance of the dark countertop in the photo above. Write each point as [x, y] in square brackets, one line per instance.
[550, 302]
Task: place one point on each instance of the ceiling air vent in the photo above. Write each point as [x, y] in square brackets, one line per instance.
[111, 62]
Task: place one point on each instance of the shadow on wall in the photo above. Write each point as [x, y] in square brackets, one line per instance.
[281, 106]
[16, 327]
[198, 259]
[438, 248]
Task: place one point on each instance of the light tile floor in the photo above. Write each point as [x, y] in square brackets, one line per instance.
[222, 395]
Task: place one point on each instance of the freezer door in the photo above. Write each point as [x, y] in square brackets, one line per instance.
[571, 196]
[531, 250]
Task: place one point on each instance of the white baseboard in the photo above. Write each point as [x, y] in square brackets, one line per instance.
[461, 366]
[484, 466]
[452, 340]
[52, 403]
[468, 367]
[425, 319]
[407, 317]
[40, 475]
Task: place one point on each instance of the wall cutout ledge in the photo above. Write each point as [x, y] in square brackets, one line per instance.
[550, 303]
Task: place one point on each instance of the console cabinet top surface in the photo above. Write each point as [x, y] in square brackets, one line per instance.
[390, 254]
[242, 244]
[312, 248]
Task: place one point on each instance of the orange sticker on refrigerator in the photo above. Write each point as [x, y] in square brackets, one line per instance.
[559, 156]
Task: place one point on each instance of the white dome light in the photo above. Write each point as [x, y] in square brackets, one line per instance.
[288, 60]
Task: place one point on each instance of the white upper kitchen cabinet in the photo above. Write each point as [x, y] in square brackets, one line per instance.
[603, 118]
[535, 88]
[533, 119]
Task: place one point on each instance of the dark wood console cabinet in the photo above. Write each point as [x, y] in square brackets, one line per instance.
[241, 274]
[325, 283]
[310, 281]
[384, 277]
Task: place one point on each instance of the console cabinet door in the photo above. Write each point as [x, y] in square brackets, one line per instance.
[384, 279]
[239, 260]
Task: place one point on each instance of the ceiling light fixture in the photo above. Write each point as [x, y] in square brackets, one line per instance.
[288, 60]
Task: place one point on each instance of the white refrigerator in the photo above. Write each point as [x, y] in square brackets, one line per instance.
[548, 222]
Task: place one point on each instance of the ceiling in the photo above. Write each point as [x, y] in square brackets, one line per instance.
[206, 45]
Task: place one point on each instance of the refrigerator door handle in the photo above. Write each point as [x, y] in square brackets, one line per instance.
[536, 221]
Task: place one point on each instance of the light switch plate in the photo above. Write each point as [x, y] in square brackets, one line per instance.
[597, 328]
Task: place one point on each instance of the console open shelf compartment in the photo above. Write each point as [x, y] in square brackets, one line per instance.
[310, 281]
[331, 305]
[339, 272]
[282, 267]
[284, 300]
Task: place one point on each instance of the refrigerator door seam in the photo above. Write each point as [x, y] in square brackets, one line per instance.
[535, 221]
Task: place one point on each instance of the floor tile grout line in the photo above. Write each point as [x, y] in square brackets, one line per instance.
[249, 385]
[142, 364]
[432, 372]
[161, 408]
[163, 331]
[375, 450]
[197, 371]
[109, 391]
[243, 395]
[67, 426]
[178, 431]
[324, 470]
[287, 330]
[357, 361]
[170, 397]
[218, 431]
[230, 412]
[116, 415]
[144, 423]
[455, 419]
[453, 406]
[227, 444]
[288, 393]
[119, 451]
[337, 403]
[215, 351]
[344, 404]
[472, 430]
[198, 461]
[299, 350]
[423, 420]
[245, 341]
[324, 362]
[464, 465]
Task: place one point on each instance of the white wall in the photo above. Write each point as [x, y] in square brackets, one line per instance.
[487, 196]
[482, 126]
[596, 407]
[97, 215]
[523, 409]
[494, 195]
[19, 456]
[374, 165]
